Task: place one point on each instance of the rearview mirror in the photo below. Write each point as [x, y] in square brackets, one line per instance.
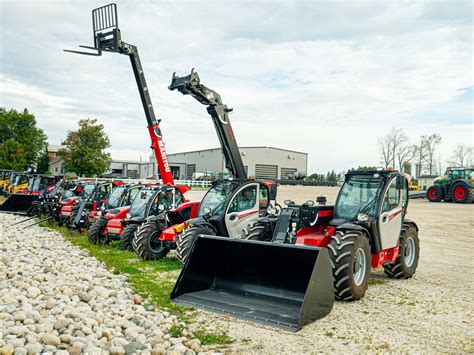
[399, 182]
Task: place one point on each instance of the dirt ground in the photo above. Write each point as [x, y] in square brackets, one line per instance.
[432, 312]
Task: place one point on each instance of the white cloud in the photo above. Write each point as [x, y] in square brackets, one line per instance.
[326, 78]
[15, 88]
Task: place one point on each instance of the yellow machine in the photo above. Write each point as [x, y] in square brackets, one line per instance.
[4, 177]
[5, 181]
[20, 183]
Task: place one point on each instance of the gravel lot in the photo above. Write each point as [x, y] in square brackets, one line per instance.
[55, 298]
[431, 312]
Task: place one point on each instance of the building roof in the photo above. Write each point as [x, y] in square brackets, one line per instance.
[240, 148]
[54, 148]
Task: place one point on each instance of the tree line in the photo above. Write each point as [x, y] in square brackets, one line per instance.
[396, 150]
[24, 146]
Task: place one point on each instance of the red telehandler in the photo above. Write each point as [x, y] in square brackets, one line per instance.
[107, 38]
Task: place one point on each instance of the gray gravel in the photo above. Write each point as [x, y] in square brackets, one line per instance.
[54, 298]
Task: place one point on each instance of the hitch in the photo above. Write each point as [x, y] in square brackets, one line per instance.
[191, 85]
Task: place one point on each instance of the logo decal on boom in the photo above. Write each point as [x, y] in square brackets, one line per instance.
[164, 157]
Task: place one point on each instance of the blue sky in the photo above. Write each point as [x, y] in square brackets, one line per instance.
[327, 78]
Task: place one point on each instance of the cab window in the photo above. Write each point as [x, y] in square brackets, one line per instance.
[244, 200]
[131, 195]
[104, 192]
[263, 203]
[392, 197]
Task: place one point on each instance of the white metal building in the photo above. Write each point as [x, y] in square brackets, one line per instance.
[260, 162]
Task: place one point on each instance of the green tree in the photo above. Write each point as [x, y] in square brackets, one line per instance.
[43, 161]
[84, 152]
[12, 155]
[21, 127]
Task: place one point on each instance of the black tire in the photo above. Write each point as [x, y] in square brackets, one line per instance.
[435, 193]
[350, 280]
[406, 263]
[96, 231]
[127, 236]
[185, 241]
[462, 193]
[258, 231]
[146, 243]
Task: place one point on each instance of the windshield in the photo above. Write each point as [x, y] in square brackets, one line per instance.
[139, 204]
[41, 182]
[31, 183]
[87, 191]
[216, 196]
[358, 195]
[115, 197]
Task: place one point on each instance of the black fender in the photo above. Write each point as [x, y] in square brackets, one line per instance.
[199, 222]
[411, 223]
[374, 239]
[134, 220]
[353, 226]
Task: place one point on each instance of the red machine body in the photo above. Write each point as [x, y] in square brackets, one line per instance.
[169, 234]
[320, 235]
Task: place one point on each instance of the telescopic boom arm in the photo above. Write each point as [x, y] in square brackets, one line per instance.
[190, 85]
[107, 38]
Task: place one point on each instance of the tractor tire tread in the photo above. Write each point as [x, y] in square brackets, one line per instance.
[141, 241]
[96, 230]
[127, 236]
[392, 269]
[185, 241]
[343, 246]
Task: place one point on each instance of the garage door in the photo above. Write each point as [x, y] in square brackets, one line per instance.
[287, 173]
[266, 171]
[190, 170]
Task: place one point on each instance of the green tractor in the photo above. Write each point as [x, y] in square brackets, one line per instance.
[455, 186]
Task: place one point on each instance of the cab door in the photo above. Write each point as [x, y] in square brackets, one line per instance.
[391, 215]
[243, 208]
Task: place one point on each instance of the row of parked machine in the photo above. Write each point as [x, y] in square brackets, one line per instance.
[242, 253]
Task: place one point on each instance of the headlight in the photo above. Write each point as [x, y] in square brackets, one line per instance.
[128, 215]
[362, 217]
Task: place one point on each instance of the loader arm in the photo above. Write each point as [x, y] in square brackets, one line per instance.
[107, 38]
[190, 85]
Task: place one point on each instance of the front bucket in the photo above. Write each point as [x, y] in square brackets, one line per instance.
[19, 204]
[282, 285]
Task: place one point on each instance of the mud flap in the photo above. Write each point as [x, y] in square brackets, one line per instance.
[20, 204]
[282, 285]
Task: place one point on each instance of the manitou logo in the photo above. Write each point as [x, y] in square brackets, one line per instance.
[164, 157]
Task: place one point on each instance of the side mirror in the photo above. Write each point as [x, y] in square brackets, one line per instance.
[399, 182]
[288, 202]
[309, 203]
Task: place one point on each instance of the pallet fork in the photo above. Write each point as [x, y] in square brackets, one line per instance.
[107, 38]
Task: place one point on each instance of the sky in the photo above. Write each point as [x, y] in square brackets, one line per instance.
[323, 77]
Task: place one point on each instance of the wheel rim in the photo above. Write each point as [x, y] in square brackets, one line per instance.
[360, 264]
[432, 194]
[409, 252]
[156, 245]
[459, 193]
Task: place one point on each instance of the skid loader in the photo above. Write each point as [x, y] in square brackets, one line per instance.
[366, 228]
[26, 201]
